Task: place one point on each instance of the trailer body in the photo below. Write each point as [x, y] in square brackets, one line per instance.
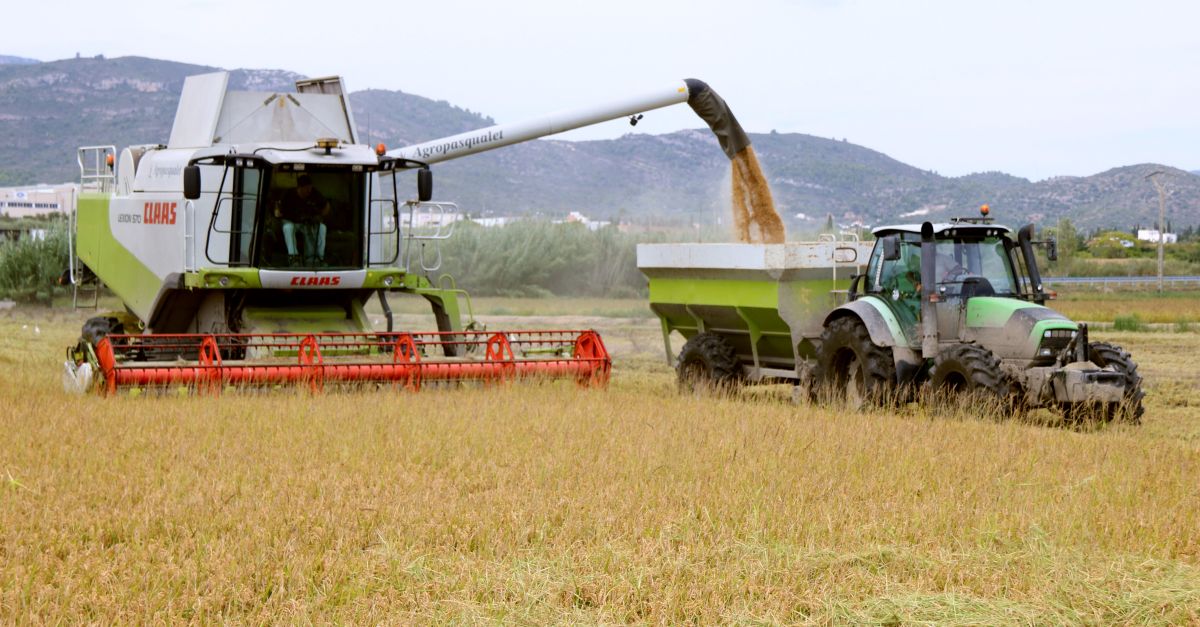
[768, 300]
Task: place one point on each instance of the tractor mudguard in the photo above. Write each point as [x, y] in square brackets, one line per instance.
[881, 323]
[884, 330]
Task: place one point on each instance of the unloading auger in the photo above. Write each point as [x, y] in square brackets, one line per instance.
[246, 248]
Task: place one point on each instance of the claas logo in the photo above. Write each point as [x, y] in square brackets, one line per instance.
[158, 213]
[306, 281]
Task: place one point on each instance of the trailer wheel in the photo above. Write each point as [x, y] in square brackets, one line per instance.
[1130, 410]
[707, 364]
[970, 370]
[852, 368]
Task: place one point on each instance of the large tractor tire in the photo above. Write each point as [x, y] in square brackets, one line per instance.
[1129, 410]
[852, 368]
[708, 364]
[970, 371]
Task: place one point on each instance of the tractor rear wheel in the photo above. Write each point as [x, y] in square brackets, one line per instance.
[708, 364]
[851, 367]
[1129, 410]
[972, 371]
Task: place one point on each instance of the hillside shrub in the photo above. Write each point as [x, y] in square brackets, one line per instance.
[1131, 322]
[29, 268]
[540, 259]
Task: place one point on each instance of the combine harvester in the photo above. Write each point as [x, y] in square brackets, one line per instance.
[246, 249]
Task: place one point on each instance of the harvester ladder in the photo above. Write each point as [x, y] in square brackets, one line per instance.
[96, 176]
[842, 245]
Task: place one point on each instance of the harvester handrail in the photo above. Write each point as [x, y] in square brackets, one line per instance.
[443, 230]
[92, 176]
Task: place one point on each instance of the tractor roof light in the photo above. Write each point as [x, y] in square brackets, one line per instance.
[380, 149]
[984, 210]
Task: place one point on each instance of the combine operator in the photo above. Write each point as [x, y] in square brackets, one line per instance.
[303, 209]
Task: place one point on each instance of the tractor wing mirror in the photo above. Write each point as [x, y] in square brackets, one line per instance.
[424, 185]
[891, 248]
[191, 182]
[1052, 250]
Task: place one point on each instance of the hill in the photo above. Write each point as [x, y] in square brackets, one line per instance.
[48, 109]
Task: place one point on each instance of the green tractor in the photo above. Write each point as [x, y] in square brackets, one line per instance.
[954, 308]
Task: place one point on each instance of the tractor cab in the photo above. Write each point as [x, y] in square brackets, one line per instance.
[967, 280]
[968, 261]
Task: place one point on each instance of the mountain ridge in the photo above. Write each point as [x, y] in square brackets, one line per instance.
[49, 108]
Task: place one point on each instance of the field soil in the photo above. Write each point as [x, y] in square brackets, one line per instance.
[546, 503]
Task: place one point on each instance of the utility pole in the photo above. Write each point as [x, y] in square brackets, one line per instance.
[1162, 224]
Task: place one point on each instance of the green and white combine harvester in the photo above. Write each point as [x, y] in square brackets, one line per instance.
[225, 284]
[955, 307]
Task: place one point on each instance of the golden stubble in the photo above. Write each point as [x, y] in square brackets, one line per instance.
[546, 503]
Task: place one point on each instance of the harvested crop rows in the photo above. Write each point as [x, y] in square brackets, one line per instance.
[546, 503]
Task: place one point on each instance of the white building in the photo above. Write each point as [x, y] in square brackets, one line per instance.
[37, 200]
[1151, 235]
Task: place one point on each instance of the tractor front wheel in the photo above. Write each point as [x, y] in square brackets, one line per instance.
[1130, 409]
[967, 370]
[1104, 354]
[708, 364]
[852, 368]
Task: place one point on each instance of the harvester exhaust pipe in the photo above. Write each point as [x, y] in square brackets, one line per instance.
[1025, 238]
[929, 293]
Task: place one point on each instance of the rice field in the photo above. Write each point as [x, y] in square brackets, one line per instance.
[551, 504]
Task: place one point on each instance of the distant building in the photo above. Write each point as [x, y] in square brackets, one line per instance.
[575, 217]
[39, 200]
[1151, 235]
[494, 221]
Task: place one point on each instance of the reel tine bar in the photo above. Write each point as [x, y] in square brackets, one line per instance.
[209, 363]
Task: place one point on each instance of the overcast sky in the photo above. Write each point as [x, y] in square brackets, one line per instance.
[1033, 88]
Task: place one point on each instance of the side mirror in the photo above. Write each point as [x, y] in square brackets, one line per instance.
[191, 182]
[424, 185]
[1052, 250]
[891, 248]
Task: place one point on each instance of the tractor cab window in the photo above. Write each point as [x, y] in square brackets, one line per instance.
[980, 267]
[314, 219]
[898, 281]
[902, 275]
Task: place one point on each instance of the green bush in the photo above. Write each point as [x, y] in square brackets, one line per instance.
[542, 259]
[29, 268]
[1132, 322]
